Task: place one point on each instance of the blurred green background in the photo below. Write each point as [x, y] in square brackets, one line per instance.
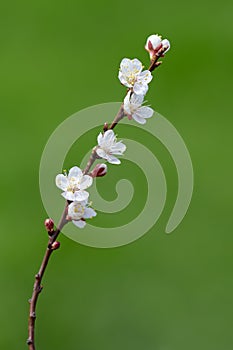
[163, 292]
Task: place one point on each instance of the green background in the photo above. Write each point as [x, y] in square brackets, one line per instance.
[162, 292]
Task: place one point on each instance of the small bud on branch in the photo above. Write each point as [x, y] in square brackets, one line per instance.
[49, 225]
[105, 128]
[99, 170]
[55, 245]
[156, 46]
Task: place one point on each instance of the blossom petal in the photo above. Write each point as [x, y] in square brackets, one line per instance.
[128, 103]
[109, 136]
[136, 66]
[145, 77]
[128, 66]
[75, 172]
[127, 97]
[80, 196]
[101, 153]
[137, 99]
[68, 195]
[139, 119]
[123, 80]
[140, 88]
[85, 182]
[125, 65]
[79, 223]
[113, 160]
[100, 139]
[62, 182]
[118, 149]
[89, 213]
[145, 112]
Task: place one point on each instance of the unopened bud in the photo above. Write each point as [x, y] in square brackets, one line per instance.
[105, 128]
[55, 245]
[49, 224]
[155, 43]
[99, 170]
[166, 45]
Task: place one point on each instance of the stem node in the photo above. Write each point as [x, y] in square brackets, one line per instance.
[33, 315]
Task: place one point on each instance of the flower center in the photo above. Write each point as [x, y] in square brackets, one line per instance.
[79, 211]
[73, 184]
[131, 78]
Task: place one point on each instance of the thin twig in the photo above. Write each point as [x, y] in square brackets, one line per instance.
[37, 288]
[154, 63]
[91, 160]
[120, 115]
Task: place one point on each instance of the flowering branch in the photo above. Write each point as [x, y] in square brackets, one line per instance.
[74, 184]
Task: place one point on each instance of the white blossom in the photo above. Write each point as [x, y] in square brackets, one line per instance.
[78, 212]
[74, 184]
[154, 43]
[134, 109]
[132, 76]
[108, 146]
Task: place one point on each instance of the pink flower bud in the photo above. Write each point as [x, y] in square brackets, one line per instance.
[49, 224]
[166, 45]
[99, 170]
[155, 43]
[105, 128]
[55, 245]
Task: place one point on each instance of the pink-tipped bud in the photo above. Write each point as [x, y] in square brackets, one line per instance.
[99, 170]
[155, 43]
[49, 224]
[55, 245]
[105, 128]
[166, 45]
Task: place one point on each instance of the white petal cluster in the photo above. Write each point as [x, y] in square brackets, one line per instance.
[154, 43]
[73, 186]
[108, 147]
[134, 109]
[132, 76]
[79, 211]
